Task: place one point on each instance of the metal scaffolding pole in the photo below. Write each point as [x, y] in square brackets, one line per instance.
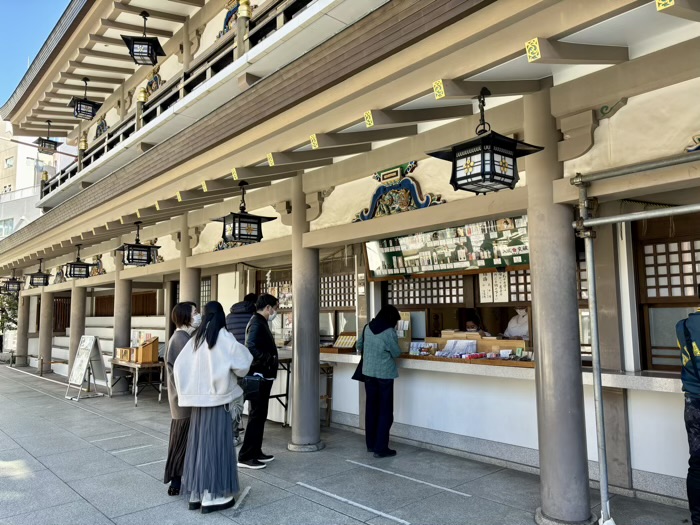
[584, 228]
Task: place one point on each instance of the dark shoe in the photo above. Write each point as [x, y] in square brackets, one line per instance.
[264, 458]
[251, 464]
[172, 491]
[386, 454]
[194, 504]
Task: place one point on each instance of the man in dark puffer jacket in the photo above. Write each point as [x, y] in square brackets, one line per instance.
[236, 323]
[241, 313]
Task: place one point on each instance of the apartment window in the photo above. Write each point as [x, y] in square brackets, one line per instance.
[9, 162]
[7, 226]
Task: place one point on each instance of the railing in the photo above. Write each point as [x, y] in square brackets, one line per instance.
[24, 193]
[264, 22]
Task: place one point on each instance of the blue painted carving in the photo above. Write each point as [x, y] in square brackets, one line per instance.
[102, 127]
[230, 18]
[397, 193]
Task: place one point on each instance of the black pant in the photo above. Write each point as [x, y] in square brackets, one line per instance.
[379, 413]
[692, 426]
[252, 442]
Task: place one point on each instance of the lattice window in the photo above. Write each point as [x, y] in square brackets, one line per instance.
[581, 274]
[520, 286]
[671, 269]
[338, 291]
[427, 291]
[204, 292]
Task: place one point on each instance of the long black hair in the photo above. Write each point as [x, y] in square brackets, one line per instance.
[213, 320]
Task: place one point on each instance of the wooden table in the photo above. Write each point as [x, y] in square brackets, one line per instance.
[135, 368]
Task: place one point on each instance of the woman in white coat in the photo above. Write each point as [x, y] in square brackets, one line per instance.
[206, 377]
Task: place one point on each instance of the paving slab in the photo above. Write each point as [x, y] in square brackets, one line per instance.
[83, 463]
[294, 511]
[75, 513]
[18, 463]
[173, 513]
[119, 493]
[39, 490]
[54, 441]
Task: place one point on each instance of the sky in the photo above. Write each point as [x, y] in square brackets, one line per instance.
[26, 26]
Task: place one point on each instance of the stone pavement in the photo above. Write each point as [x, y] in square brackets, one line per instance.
[100, 461]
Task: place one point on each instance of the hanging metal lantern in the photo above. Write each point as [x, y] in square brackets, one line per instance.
[243, 227]
[143, 49]
[488, 162]
[79, 269]
[12, 286]
[46, 145]
[39, 278]
[138, 254]
[82, 107]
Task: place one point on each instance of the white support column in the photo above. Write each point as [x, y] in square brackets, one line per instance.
[22, 353]
[560, 409]
[46, 330]
[122, 307]
[306, 404]
[77, 320]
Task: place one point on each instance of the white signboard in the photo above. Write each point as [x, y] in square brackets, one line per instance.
[486, 287]
[88, 358]
[500, 287]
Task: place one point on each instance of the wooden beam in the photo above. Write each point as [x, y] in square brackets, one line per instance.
[294, 157]
[92, 78]
[647, 73]
[193, 3]
[388, 117]
[54, 105]
[160, 15]
[329, 140]
[65, 96]
[55, 122]
[113, 225]
[687, 9]
[546, 51]
[150, 31]
[246, 80]
[81, 89]
[101, 67]
[445, 89]
[261, 171]
[88, 52]
[43, 114]
[101, 39]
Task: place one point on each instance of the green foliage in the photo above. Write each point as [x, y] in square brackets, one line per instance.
[8, 312]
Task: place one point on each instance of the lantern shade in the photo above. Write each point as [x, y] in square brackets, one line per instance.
[12, 285]
[79, 269]
[243, 227]
[46, 146]
[39, 279]
[144, 50]
[138, 254]
[486, 163]
[83, 108]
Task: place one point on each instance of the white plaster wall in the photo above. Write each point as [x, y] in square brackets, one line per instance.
[653, 125]
[273, 229]
[658, 441]
[209, 238]
[228, 290]
[346, 392]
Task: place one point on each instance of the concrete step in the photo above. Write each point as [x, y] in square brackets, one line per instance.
[61, 340]
[59, 353]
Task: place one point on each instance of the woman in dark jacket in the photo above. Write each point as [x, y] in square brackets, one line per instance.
[379, 345]
[186, 319]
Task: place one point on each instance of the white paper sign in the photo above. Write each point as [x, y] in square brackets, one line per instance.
[486, 287]
[500, 287]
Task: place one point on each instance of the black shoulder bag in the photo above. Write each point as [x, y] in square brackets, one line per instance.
[250, 383]
[358, 375]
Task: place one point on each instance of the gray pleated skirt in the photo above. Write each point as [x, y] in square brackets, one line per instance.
[210, 460]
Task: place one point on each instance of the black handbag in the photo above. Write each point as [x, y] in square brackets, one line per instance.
[250, 386]
[358, 375]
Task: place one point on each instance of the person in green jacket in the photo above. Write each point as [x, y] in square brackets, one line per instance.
[379, 345]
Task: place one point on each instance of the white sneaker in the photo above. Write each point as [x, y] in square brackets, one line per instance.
[210, 504]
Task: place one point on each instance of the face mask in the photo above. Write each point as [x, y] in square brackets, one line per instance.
[521, 312]
[196, 320]
[273, 314]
